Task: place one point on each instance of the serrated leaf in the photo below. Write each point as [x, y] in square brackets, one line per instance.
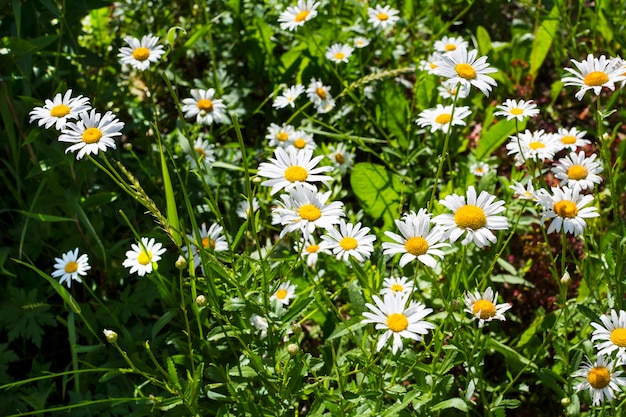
[171, 371]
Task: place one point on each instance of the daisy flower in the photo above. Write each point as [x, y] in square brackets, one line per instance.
[310, 250]
[527, 192]
[92, 133]
[339, 52]
[571, 138]
[593, 74]
[431, 63]
[601, 379]
[479, 168]
[441, 118]
[611, 334]
[449, 91]
[302, 140]
[202, 154]
[283, 294]
[288, 97]
[398, 321]
[70, 267]
[476, 219]
[243, 208]
[576, 170]
[141, 53]
[211, 239]
[418, 241]
[279, 135]
[204, 107]
[291, 166]
[397, 285]
[296, 16]
[350, 240]
[513, 109]
[340, 157]
[325, 106]
[462, 66]
[449, 44]
[535, 145]
[360, 42]
[483, 307]
[305, 209]
[143, 257]
[382, 16]
[566, 208]
[59, 110]
[317, 92]
[260, 324]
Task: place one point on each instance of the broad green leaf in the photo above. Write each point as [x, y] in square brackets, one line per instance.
[457, 403]
[543, 41]
[170, 200]
[493, 137]
[46, 217]
[484, 40]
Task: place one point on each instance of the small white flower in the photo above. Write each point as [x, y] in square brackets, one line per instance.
[302, 140]
[566, 208]
[397, 285]
[483, 306]
[283, 294]
[143, 257]
[140, 54]
[92, 133]
[279, 135]
[571, 139]
[382, 16]
[360, 42]
[204, 107]
[527, 192]
[479, 168]
[536, 145]
[202, 154]
[70, 267]
[339, 52]
[593, 74]
[59, 110]
[577, 170]
[441, 117]
[288, 97]
[431, 63]
[296, 16]
[318, 93]
[448, 44]
[513, 109]
[260, 324]
[461, 66]
[449, 91]
[611, 334]
[243, 208]
[602, 379]
[210, 239]
[310, 250]
[340, 157]
[350, 240]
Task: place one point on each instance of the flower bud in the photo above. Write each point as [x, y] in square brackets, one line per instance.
[565, 401]
[110, 335]
[566, 279]
[293, 349]
[181, 263]
[201, 300]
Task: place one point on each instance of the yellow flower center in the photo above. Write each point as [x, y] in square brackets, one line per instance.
[568, 140]
[340, 56]
[144, 258]
[205, 105]
[281, 293]
[479, 170]
[443, 118]
[200, 151]
[536, 145]
[312, 248]
[432, 65]
[577, 172]
[340, 158]
[348, 243]
[302, 15]
[71, 267]
[141, 53]
[397, 288]
[397, 322]
[596, 78]
[321, 93]
[484, 308]
[92, 135]
[450, 47]
[470, 217]
[382, 16]
[207, 242]
[282, 136]
[618, 336]
[299, 143]
[59, 110]
[566, 209]
[516, 111]
[599, 377]
[309, 212]
[416, 246]
[296, 173]
[465, 71]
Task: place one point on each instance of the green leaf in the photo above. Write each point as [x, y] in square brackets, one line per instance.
[484, 40]
[457, 403]
[46, 217]
[171, 370]
[543, 41]
[170, 201]
[378, 191]
[513, 358]
[493, 137]
[350, 326]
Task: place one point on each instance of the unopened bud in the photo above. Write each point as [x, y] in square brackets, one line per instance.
[566, 279]
[110, 335]
[127, 146]
[201, 300]
[565, 401]
[296, 328]
[181, 262]
[293, 349]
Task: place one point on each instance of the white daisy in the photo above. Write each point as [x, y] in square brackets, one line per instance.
[577, 170]
[449, 91]
[310, 250]
[340, 157]
[283, 294]
[611, 334]
[205, 107]
[302, 140]
[382, 16]
[210, 239]
[92, 133]
[360, 42]
[243, 208]
[571, 139]
[514, 109]
[448, 44]
[70, 267]
[305, 209]
[339, 52]
[397, 285]
[59, 110]
[141, 53]
[143, 257]
[202, 154]
[527, 192]
[296, 16]
[260, 324]
[566, 208]
[431, 63]
[602, 379]
[477, 218]
[441, 117]
[291, 166]
[318, 93]
[279, 135]
[288, 97]
[593, 74]
[484, 307]
[350, 240]
[536, 145]
[462, 66]
[479, 168]
[325, 106]
[392, 315]
[418, 240]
